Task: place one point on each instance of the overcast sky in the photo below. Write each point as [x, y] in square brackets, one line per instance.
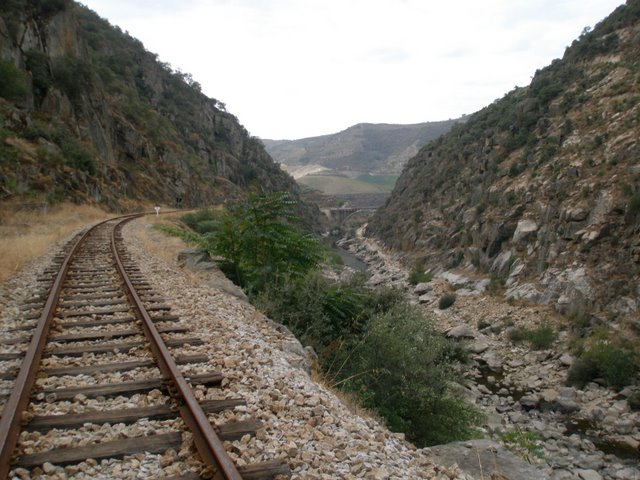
[297, 68]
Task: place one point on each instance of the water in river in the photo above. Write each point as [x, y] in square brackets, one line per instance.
[349, 259]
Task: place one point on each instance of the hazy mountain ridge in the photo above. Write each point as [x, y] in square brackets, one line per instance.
[365, 147]
[87, 113]
[542, 187]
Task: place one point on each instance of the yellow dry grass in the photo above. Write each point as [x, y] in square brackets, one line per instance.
[26, 232]
[158, 243]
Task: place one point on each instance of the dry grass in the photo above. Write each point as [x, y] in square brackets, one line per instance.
[157, 242]
[27, 233]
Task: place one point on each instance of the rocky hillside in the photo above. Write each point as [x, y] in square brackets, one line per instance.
[87, 113]
[365, 148]
[542, 187]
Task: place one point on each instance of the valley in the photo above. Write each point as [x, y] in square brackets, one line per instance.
[451, 299]
[569, 432]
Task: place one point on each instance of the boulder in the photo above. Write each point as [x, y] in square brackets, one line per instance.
[222, 283]
[191, 257]
[493, 361]
[525, 291]
[588, 474]
[478, 346]
[524, 230]
[576, 214]
[566, 360]
[297, 356]
[485, 459]
[529, 402]
[460, 332]
[501, 263]
[422, 288]
[427, 298]
[454, 279]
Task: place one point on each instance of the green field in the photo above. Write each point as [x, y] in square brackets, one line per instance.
[337, 185]
[385, 181]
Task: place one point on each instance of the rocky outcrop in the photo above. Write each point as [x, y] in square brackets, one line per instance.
[542, 187]
[94, 117]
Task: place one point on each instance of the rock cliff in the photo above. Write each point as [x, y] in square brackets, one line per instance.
[87, 113]
[542, 187]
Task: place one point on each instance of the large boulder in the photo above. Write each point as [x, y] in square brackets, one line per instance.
[524, 230]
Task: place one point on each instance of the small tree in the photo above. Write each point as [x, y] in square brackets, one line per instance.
[261, 243]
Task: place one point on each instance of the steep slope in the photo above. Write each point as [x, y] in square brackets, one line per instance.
[87, 113]
[366, 147]
[542, 187]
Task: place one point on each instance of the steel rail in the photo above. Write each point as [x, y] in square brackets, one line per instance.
[207, 441]
[21, 390]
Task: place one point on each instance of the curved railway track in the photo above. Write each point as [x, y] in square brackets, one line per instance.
[99, 349]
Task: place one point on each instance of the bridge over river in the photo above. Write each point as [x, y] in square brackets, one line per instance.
[339, 215]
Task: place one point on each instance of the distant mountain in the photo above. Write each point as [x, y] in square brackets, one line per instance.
[542, 187]
[380, 149]
[87, 114]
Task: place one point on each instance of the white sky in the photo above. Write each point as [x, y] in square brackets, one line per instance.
[297, 68]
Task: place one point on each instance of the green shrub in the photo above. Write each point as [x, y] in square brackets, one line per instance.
[13, 84]
[202, 221]
[446, 301]
[539, 338]
[603, 359]
[482, 324]
[634, 205]
[258, 240]
[37, 63]
[516, 334]
[403, 370]
[418, 275]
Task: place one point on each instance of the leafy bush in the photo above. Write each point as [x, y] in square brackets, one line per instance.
[403, 370]
[38, 64]
[482, 324]
[72, 75]
[446, 301]
[258, 240]
[418, 275]
[202, 221]
[603, 359]
[634, 205]
[323, 313]
[13, 84]
[516, 334]
[539, 338]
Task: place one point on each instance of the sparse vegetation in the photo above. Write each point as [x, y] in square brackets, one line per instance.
[539, 338]
[526, 444]
[633, 206]
[604, 356]
[482, 324]
[13, 84]
[446, 301]
[418, 275]
[28, 231]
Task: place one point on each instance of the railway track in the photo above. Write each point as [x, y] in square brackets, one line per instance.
[95, 366]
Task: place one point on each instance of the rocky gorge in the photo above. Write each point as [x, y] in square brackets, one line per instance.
[570, 433]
